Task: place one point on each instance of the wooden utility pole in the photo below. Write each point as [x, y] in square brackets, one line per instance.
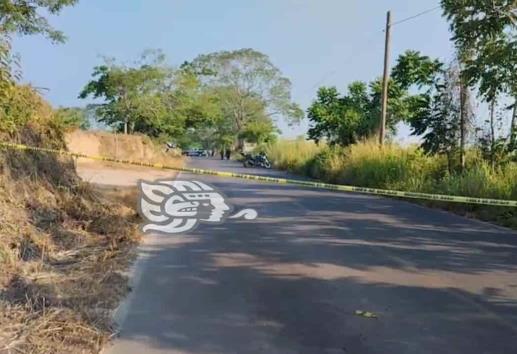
[513, 127]
[492, 133]
[385, 79]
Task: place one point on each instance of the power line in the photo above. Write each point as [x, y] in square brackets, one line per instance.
[415, 16]
[369, 39]
[330, 73]
[323, 79]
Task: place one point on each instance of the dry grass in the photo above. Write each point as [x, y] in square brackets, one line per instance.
[407, 169]
[63, 248]
[293, 155]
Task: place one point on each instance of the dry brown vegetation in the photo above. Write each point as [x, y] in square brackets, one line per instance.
[63, 247]
[61, 250]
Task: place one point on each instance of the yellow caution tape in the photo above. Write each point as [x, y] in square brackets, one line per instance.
[336, 187]
[366, 314]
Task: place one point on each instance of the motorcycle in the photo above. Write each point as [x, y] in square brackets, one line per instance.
[259, 160]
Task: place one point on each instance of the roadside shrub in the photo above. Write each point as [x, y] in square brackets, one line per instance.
[404, 168]
[327, 164]
[21, 106]
[292, 155]
[481, 180]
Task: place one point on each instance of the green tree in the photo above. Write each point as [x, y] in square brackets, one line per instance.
[484, 33]
[401, 105]
[249, 87]
[344, 120]
[439, 121]
[415, 69]
[259, 131]
[24, 17]
[494, 72]
[433, 112]
[341, 120]
[416, 73]
[73, 117]
[492, 146]
[153, 99]
[23, 105]
[474, 23]
[8, 64]
[129, 93]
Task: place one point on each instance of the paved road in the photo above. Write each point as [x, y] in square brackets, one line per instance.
[290, 281]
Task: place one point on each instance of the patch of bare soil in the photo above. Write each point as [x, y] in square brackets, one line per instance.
[139, 148]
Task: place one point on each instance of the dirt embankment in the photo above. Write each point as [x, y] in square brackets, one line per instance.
[118, 181]
[138, 148]
[63, 247]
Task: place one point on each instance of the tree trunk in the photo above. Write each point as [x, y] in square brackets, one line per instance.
[449, 162]
[463, 122]
[240, 144]
[513, 128]
[126, 113]
[492, 134]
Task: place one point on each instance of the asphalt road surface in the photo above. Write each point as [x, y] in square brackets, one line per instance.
[291, 280]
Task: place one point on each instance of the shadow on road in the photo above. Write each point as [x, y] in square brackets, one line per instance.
[290, 281]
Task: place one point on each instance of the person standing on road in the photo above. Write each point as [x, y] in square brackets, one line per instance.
[228, 154]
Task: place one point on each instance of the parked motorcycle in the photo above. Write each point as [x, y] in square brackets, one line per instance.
[259, 160]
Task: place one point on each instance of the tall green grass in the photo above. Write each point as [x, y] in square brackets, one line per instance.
[292, 155]
[402, 168]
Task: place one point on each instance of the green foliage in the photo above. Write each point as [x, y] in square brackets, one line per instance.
[203, 103]
[250, 93]
[259, 131]
[248, 75]
[420, 74]
[8, 63]
[475, 22]
[365, 164]
[493, 68]
[341, 120]
[355, 116]
[485, 34]
[292, 155]
[439, 122]
[23, 105]
[137, 99]
[412, 68]
[72, 118]
[24, 17]
[434, 111]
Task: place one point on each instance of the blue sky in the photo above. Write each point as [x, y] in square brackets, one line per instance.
[314, 43]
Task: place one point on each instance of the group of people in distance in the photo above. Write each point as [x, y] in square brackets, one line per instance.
[225, 153]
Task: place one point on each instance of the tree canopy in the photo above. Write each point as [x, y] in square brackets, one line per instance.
[485, 35]
[248, 76]
[24, 17]
[250, 90]
[339, 119]
[133, 96]
[346, 119]
[231, 96]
